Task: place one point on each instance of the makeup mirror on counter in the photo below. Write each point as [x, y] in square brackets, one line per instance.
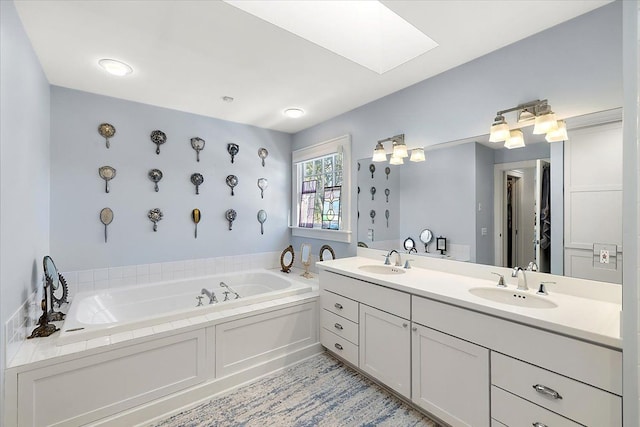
[286, 259]
[508, 207]
[305, 259]
[327, 253]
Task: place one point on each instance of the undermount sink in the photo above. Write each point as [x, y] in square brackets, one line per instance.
[513, 297]
[381, 269]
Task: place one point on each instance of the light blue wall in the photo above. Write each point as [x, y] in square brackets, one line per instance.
[77, 192]
[484, 204]
[575, 65]
[24, 170]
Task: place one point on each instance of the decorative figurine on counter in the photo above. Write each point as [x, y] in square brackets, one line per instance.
[197, 180]
[158, 137]
[155, 175]
[262, 185]
[263, 153]
[155, 215]
[230, 215]
[195, 216]
[106, 216]
[233, 150]
[53, 281]
[198, 145]
[107, 173]
[106, 131]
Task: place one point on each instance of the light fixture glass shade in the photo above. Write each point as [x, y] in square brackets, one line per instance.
[499, 130]
[394, 160]
[115, 67]
[544, 123]
[400, 149]
[417, 155]
[558, 134]
[515, 140]
[379, 155]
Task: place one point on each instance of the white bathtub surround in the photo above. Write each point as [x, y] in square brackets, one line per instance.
[318, 391]
[20, 325]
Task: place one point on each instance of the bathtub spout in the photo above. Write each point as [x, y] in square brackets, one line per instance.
[211, 295]
[228, 291]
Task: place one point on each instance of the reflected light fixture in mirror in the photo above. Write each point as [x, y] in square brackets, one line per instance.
[558, 134]
[400, 148]
[537, 113]
[396, 160]
[417, 155]
[515, 140]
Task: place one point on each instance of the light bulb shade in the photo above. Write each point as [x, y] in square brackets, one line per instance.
[400, 149]
[417, 155]
[515, 140]
[545, 123]
[558, 134]
[499, 130]
[394, 160]
[379, 155]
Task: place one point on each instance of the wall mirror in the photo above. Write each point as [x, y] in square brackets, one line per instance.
[305, 259]
[490, 201]
[286, 259]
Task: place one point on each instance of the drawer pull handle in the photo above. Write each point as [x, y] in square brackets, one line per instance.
[547, 391]
[338, 306]
[539, 424]
[338, 346]
[338, 326]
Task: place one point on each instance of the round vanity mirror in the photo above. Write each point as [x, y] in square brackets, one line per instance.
[305, 260]
[426, 236]
[409, 244]
[286, 259]
[326, 252]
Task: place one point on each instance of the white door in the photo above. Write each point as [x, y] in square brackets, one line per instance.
[450, 377]
[385, 348]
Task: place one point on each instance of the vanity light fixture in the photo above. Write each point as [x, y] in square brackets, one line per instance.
[294, 113]
[115, 67]
[379, 154]
[537, 113]
[417, 155]
[395, 160]
[399, 151]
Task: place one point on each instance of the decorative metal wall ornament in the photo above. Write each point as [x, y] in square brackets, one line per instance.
[198, 145]
[195, 216]
[232, 181]
[286, 259]
[106, 216]
[230, 215]
[262, 185]
[107, 173]
[372, 214]
[155, 175]
[386, 193]
[233, 150]
[373, 192]
[387, 171]
[197, 180]
[262, 217]
[155, 215]
[372, 169]
[263, 153]
[386, 215]
[158, 137]
[106, 130]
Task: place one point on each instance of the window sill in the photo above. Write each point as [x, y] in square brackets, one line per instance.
[343, 236]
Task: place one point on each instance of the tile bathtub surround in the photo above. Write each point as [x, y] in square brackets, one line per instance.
[19, 326]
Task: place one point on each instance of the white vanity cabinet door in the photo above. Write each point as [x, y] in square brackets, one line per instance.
[385, 352]
[450, 377]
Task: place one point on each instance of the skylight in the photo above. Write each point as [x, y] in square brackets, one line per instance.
[365, 32]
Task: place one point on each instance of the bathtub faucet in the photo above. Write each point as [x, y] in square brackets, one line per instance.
[228, 291]
[211, 295]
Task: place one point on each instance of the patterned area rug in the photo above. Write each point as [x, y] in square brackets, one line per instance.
[320, 391]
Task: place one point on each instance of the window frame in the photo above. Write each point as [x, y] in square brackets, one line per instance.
[341, 144]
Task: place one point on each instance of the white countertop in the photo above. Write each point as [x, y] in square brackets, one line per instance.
[584, 318]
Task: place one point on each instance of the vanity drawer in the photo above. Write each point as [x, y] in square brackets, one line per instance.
[513, 411]
[339, 346]
[339, 305]
[580, 402]
[340, 326]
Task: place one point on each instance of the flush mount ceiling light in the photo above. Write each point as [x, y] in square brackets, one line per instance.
[294, 113]
[537, 113]
[115, 67]
[365, 32]
[399, 151]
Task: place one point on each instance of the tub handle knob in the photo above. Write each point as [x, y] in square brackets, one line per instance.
[199, 298]
[338, 346]
[338, 306]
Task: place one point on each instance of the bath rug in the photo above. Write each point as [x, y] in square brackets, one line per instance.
[320, 391]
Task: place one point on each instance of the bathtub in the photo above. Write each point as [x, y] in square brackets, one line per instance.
[101, 313]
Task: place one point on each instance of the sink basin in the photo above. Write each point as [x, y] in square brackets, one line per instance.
[513, 297]
[381, 269]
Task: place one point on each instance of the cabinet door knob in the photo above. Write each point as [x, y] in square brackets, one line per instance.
[338, 306]
[543, 389]
[338, 326]
[338, 346]
[538, 424]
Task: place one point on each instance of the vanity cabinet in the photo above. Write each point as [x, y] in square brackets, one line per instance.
[450, 377]
[385, 353]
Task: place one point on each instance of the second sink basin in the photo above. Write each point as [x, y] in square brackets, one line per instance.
[513, 297]
[381, 269]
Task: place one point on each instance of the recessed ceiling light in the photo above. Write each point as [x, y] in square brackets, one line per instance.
[294, 113]
[365, 32]
[115, 67]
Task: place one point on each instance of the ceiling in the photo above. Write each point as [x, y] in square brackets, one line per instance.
[187, 55]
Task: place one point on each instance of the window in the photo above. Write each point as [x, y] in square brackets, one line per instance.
[321, 193]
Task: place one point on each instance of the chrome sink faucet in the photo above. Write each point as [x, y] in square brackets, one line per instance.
[398, 258]
[522, 279]
[211, 295]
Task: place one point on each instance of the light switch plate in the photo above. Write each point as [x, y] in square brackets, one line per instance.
[605, 256]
